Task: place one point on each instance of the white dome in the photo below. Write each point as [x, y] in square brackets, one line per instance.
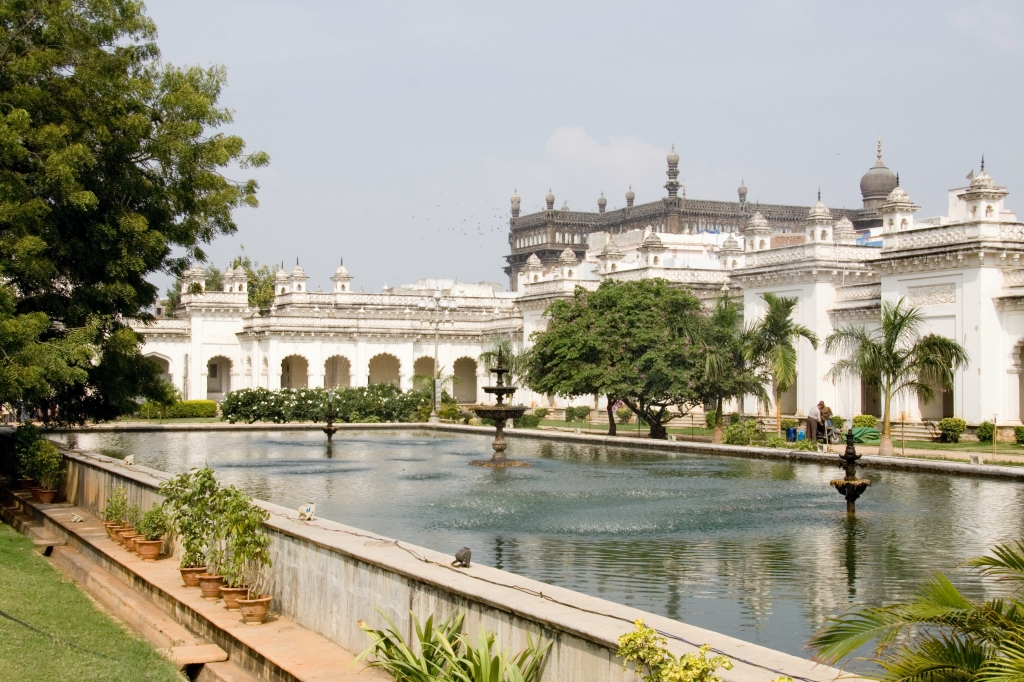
[758, 223]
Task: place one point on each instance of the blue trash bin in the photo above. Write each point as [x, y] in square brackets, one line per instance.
[801, 434]
[791, 434]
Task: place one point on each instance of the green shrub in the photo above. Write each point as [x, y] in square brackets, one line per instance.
[740, 433]
[624, 414]
[789, 424]
[541, 412]
[1018, 434]
[868, 421]
[735, 418]
[838, 422]
[449, 411]
[189, 499]
[952, 428]
[154, 524]
[192, 409]
[804, 445]
[577, 414]
[648, 652]
[709, 419]
[116, 509]
[25, 436]
[986, 430]
[527, 421]
[774, 441]
[134, 516]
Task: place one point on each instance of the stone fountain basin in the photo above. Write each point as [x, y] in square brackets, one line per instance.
[499, 412]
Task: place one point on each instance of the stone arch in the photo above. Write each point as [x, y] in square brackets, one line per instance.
[295, 372]
[337, 372]
[165, 365]
[824, 235]
[218, 377]
[423, 366]
[385, 369]
[465, 389]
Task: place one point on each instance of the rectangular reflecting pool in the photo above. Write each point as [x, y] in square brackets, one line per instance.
[760, 550]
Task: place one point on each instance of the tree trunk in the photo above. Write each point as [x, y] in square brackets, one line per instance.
[657, 429]
[611, 415]
[716, 436]
[885, 441]
[778, 414]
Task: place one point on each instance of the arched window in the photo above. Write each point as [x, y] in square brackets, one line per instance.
[824, 235]
[988, 211]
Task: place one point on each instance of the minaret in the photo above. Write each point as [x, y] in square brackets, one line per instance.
[515, 203]
[630, 196]
[601, 203]
[550, 200]
[673, 173]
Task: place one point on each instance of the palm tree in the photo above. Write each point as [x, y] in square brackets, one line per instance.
[897, 358]
[727, 372]
[513, 361]
[771, 345]
[939, 634]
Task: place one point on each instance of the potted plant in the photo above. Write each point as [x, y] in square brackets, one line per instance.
[132, 520]
[48, 464]
[246, 543]
[114, 512]
[253, 560]
[152, 528]
[187, 499]
[24, 436]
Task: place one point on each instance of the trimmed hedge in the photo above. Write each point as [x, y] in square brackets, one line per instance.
[577, 414]
[183, 409]
[868, 421]
[986, 430]
[952, 428]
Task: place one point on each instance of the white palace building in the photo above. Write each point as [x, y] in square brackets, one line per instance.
[964, 270]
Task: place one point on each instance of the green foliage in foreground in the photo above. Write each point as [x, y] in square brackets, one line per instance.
[34, 592]
[366, 404]
[445, 655]
[653, 662]
[939, 634]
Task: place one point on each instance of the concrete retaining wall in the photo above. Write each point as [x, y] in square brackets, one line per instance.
[327, 576]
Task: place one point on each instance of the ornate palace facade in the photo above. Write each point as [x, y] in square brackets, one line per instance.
[964, 271]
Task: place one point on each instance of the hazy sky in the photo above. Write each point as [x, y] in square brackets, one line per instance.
[398, 131]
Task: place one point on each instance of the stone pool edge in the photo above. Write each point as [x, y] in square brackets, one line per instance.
[686, 447]
[327, 575]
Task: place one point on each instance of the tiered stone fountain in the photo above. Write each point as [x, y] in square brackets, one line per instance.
[500, 413]
[850, 486]
[331, 414]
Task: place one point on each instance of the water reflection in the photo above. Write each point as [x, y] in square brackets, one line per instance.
[761, 550]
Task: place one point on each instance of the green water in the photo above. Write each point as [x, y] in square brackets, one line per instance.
[759, 550]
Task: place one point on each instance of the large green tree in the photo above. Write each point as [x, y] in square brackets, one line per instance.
[897, 358]
[727, 372]
[638, 342]
[111, 169]
[772, 346]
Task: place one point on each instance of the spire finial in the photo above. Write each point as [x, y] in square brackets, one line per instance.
[879, 147]
[296, 260]
[819, 194]
[897, 179]
[341, 261]
[982, 163]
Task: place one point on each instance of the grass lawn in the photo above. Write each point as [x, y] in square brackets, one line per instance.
[36, 593]
[963, 446]
[195, 420]
[675, 427]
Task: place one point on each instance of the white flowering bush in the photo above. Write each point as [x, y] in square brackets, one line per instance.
[366, 404]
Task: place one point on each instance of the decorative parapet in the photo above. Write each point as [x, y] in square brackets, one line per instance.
[164, 326]
[675, 275]
[812, 252]
[557, 286]
[956, 234]
[1013, 278]
[860, 292]
[237, 299]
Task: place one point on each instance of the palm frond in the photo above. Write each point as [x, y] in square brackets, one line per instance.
[1006, 562]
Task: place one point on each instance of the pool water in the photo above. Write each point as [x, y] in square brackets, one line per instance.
[760, 550]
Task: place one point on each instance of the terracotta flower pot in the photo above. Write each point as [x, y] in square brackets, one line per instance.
[114, 530]
[209, 585]
[129, 543]
[122, 535]
[26, 483]
[254, 611]
[45, 495]
[35, 493]
[149, 550]
[109, 526]
[190, 575]
[231, 596]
